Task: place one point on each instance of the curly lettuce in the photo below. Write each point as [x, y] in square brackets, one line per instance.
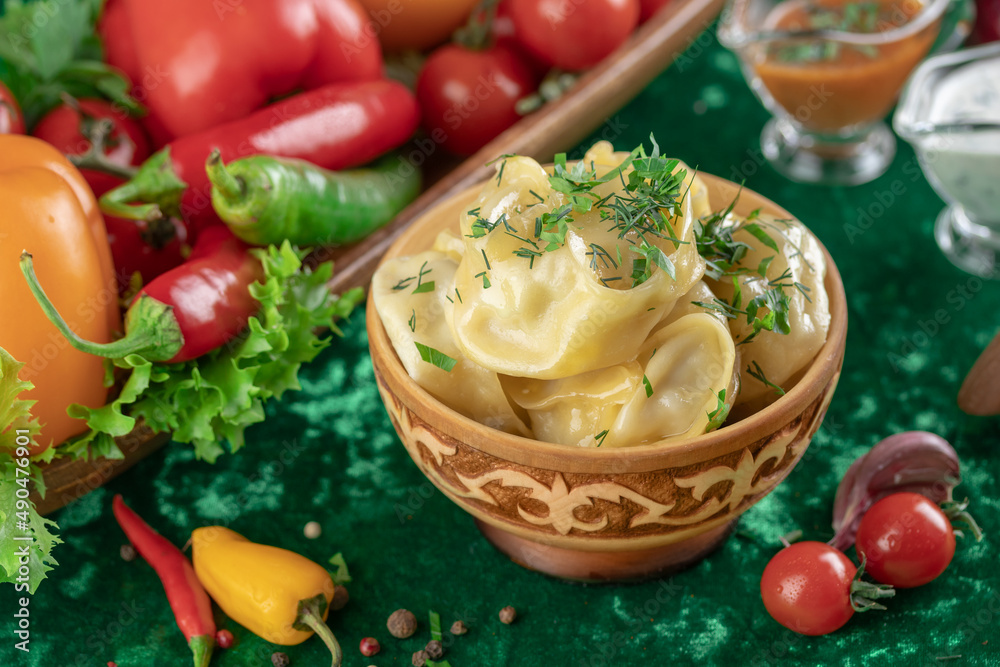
[211, 400]
[23, 532]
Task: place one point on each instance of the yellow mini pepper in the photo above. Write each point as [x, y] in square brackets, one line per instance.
[277, 594]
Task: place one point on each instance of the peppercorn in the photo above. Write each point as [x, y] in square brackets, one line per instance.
[420, 658]
[312, 530]
[458, 628]
[402, 624]
[280, 659]
[369, 647]
[340, 598]
[434, 649]
[507, 615]
[127, 553]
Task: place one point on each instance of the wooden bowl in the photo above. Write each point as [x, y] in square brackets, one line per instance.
[605, 514]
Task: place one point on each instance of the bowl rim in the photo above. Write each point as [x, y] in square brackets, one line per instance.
[824, 368]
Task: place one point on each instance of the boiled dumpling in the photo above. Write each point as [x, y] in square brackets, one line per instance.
[685, 366]
[536, 308]
[579, 409]
[800, 261]
[412, 316]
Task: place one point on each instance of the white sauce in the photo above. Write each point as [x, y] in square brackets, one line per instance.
[965, 166]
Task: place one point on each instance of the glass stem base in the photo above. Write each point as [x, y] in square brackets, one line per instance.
[970, 246]
[806, 158]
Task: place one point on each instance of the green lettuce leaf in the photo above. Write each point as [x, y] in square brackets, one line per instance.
[210, 401]
[18, 517]
[50, 48]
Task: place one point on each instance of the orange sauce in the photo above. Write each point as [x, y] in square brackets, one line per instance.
[828, 86]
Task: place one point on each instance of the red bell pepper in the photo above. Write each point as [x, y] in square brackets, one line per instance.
[196, 64]
[335, 127]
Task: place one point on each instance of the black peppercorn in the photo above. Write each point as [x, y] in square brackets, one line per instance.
[458, 628]
[402, 624]
[280, 659]
[127, 553]
[434, 649]
[340, 598]
[420, 658]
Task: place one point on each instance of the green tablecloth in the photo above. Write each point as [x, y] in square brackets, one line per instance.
[329, 454]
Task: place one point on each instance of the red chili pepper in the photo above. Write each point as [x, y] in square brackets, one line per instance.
[11, 120]
[334, 127]
[196, 64]
[184, 313]
[190, 603]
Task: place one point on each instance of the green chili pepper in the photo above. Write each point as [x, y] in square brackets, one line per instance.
[265, 199]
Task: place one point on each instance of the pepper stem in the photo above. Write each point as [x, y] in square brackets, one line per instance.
[222, 179]
[201, 647]
[310, 617]
[155, 184]
[151, 327]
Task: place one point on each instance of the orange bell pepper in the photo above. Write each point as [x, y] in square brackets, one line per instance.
[49, 211]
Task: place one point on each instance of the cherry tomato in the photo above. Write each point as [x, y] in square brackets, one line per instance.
[906, 540]
[416, 25]
[126, 146]
[132, 254]
[573, 35]
[11, 120]
[649, 7]
[468, 97]
[807, 588]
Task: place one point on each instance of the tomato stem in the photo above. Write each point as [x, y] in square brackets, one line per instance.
[864, 593]
[955, 511]
[476, 34]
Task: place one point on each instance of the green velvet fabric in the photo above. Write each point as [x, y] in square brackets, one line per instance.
[329, 454]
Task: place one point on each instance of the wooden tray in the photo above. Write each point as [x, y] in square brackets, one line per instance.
[556, 127]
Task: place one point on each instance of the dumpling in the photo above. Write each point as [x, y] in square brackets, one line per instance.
[688, 305]
[799, 261]
[576, 410]
[686, 366]
[534, 307]
[413, 316]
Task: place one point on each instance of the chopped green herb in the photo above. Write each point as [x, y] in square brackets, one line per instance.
[413, 320]
[486, 279]
[600, 437]
[423, 288]
[758, 373]
[717, 417]
[647, 385]
[341, 576]
[435, 620]
[435, 357]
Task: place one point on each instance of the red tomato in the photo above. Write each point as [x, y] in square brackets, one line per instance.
[807, 588]
[906, 540]
[11, 121]
[416, 25]
[126, 146]
[649, 7]
[573, 34]
[133, 254]
[468, 97]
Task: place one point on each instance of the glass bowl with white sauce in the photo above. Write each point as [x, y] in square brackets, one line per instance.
[950, 113]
